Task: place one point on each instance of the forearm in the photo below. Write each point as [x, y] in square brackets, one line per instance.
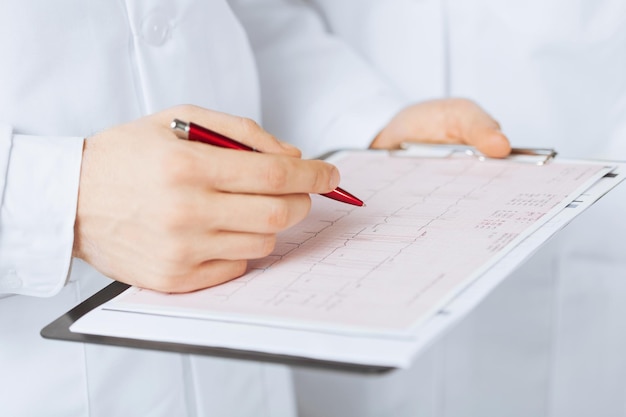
[39, 192]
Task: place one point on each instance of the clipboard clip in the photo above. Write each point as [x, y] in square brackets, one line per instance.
[538, 156]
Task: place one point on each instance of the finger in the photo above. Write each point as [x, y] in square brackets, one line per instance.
[490, 142]
[224, 245]
[255, 173]
[205, 275]
[249, 213]
[241, 129]
[472, 125]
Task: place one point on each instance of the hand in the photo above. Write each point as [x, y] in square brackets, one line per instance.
[173, 215]
[457, 121]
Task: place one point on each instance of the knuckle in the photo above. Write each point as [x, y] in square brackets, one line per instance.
[174, 167]
[297, 153]
[174, 218]
[186, 110]
[239, 268]
[249, 126]
[267, 245]
[305, 201]
[217, 276]
[279, 215]
[321, 176]
[320, 179]
[277, 175]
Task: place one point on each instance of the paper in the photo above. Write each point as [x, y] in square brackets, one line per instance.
[430, 228]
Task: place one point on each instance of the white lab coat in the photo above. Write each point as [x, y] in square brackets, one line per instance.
[70, 68]
[550, 341]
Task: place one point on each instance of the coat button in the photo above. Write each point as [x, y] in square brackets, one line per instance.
[155, 29]
[10, 281]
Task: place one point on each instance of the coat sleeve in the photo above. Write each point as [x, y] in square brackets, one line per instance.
[316, 92]
[38, 194]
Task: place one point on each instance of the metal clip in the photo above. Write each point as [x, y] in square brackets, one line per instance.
[538, 156]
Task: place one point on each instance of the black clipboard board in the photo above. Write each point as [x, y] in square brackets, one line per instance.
[59, 329]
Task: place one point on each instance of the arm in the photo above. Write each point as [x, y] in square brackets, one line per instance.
[153, 210]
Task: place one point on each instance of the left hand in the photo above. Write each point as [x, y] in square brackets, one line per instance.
[448, 121]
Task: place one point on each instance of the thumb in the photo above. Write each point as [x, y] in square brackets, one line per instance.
[489, 141]
[475, 127]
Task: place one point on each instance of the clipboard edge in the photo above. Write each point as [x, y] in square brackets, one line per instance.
[59, 329]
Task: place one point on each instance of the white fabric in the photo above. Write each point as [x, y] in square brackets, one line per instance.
[550, 341]
[69, 70]
[72, 68]
[36, 218]
[329, 99]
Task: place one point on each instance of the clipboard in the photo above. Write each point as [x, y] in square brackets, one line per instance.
[537, 156]
[59, 329]
[439, 322]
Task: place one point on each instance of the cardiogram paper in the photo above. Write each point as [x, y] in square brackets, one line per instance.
[430, 227]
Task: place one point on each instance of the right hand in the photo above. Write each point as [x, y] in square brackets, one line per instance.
[176, 216]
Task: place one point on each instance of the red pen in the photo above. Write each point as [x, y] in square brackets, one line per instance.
[202, 134]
